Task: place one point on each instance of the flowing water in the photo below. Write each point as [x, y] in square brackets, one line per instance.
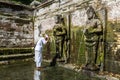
[26, 71]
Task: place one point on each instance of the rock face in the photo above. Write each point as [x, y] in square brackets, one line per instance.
[76, 8]
[21, 27]
[16, 26]
[74, 12]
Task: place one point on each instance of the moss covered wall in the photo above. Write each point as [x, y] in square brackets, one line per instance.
[112, 56]
[77, 10]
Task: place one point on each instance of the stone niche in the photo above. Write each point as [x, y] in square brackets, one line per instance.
[16, 26]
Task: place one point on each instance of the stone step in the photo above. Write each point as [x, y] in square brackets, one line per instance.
[16, 56]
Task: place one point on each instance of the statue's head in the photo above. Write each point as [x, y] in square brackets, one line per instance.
[90, 12]
[58, 18]
[97, 3]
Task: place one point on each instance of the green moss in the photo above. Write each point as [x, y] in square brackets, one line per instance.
[6, 14]
[110, 32]
[49, 32]
[77, 45]
[9, 51]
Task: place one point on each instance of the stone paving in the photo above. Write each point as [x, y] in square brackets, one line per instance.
[104, 74]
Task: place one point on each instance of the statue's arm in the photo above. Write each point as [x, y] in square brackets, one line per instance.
[62, 32]
[97, 28]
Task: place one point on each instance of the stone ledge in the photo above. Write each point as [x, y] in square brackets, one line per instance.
[15, 56]
[44, 4]
[7, 62]
[103, 75]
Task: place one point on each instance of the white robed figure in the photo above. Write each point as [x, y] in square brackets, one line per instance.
[38, 50]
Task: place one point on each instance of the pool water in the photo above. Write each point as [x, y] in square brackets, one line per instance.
[26, 71]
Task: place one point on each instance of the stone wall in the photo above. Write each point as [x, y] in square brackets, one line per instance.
[45, 15]
[16, 26]
[75, 10]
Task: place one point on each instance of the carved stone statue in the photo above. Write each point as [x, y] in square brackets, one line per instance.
[59, 32]
[93, 38]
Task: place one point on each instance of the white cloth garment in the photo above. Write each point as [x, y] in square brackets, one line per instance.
[38, 58]
[37, 75]
[40, 44]
[38, 51]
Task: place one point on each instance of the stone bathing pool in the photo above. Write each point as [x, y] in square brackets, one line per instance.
[25, 70]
